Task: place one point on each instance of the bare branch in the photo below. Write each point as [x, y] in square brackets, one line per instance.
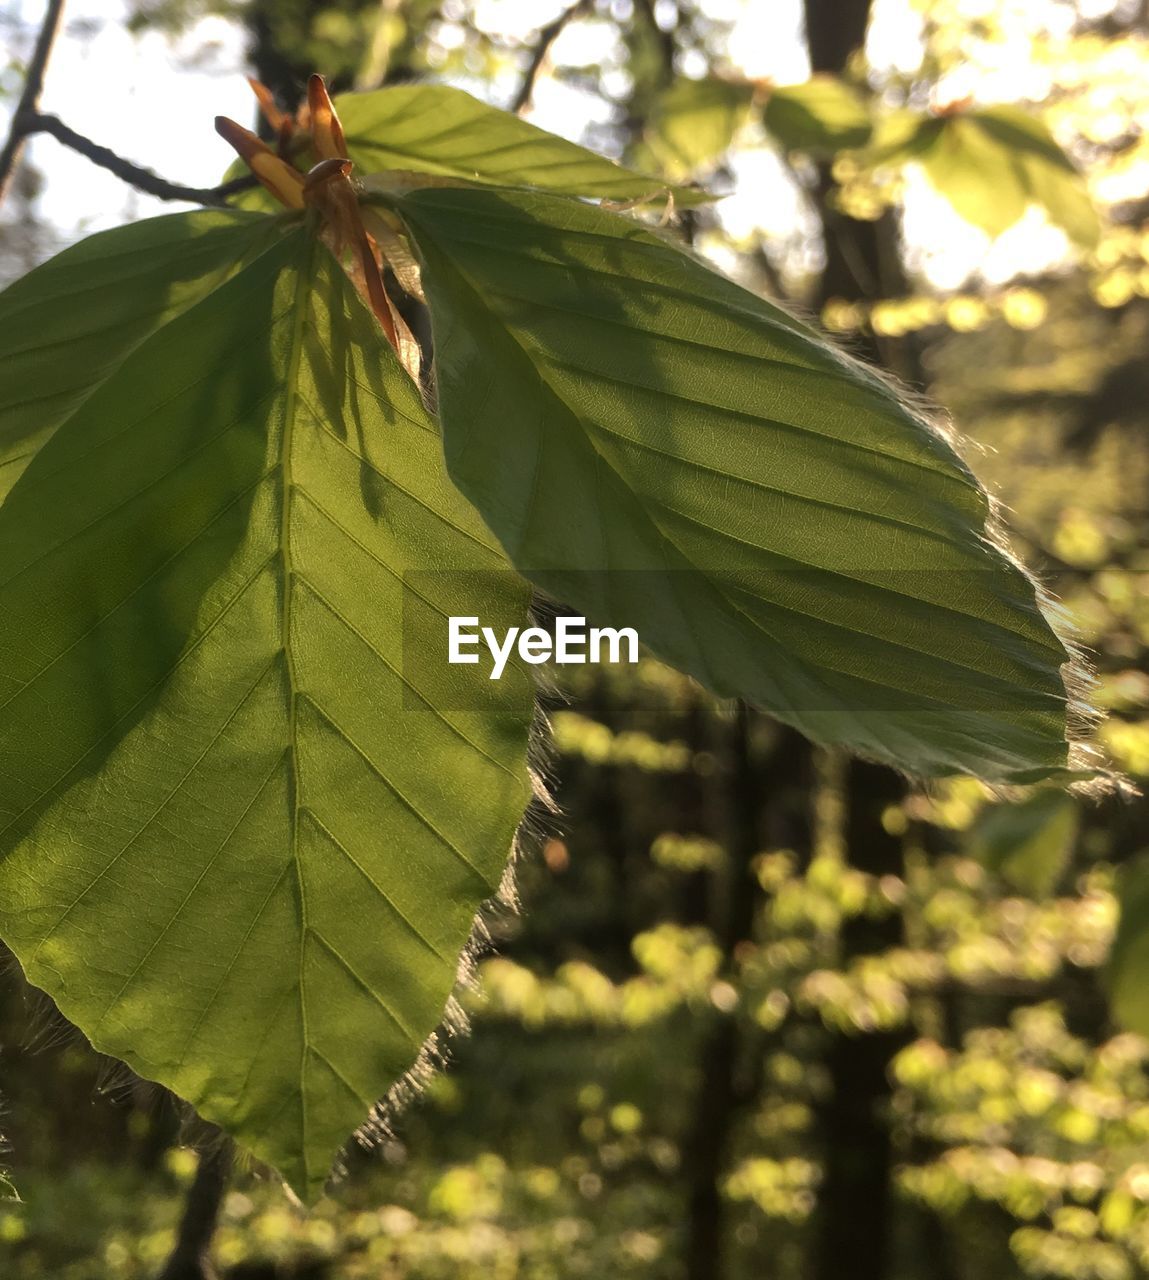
[133, 174]
[26, 108]
[28, 119]
[540, 52]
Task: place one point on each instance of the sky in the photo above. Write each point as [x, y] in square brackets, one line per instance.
[153, 101]
[118, 90]
[137, 96]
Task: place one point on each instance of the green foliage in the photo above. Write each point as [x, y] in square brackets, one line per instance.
[1030, 843]
[1129, 958]
[225, 577]
[693, 124]
[439, 130]
[204, 571]
[821, 117]
[769, 516]
[67, 326]
[991, 165]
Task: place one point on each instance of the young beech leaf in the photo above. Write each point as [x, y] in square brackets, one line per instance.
[67, 326]
[694, 123]
[822, 116]
[659, 448]
[243, 840]
[1030, 843]
[442, 132]
[436, 129]
[990, 165]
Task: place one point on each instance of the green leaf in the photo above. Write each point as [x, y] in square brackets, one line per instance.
[1128, 964]
[1028, 844]
[991, 165]
[693, 124]
[444, 133]
[67, 326]
[439, 130]
[8, 1190]
[248, 814]
[1050, 177]
[659, 448]
[898, 137]
[822, 116]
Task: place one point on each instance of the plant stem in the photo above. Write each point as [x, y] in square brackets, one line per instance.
[26, 108]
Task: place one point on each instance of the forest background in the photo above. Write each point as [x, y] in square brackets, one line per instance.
[766, 1011]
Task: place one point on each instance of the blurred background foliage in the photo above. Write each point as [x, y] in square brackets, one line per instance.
[767, 1012]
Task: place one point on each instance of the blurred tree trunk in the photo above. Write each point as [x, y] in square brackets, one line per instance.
[769, 806]
[191, 1257]
[856, 1210]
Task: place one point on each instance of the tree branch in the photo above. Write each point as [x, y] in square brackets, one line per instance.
[26, 108]
[28, 119]
[540, 52]
[133, 174]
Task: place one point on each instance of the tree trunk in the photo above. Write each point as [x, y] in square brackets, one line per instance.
[191, 1257]
[856, 1199]
[856, 1210]
[768, 806]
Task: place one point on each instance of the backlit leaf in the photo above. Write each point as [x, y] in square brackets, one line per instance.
[694, 123]
[658, 448]
[991, 165]
[1028, 844]
[246, 824]
[1129, 954]
[821, 116]
[67, 326]
[436, 129]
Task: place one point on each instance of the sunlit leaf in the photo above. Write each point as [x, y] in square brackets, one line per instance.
[244, 825]
[822, 116]
[991, 165]
[1129, 955]
[693, 124]
[1050, 177]
[979, 178]
[1028, 844]
[67, 326]
[436, 129]
[659, 448]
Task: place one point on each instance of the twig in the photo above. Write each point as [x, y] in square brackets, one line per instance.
[30, 96]
[540, 52]
[28, 119]
[133, 174]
